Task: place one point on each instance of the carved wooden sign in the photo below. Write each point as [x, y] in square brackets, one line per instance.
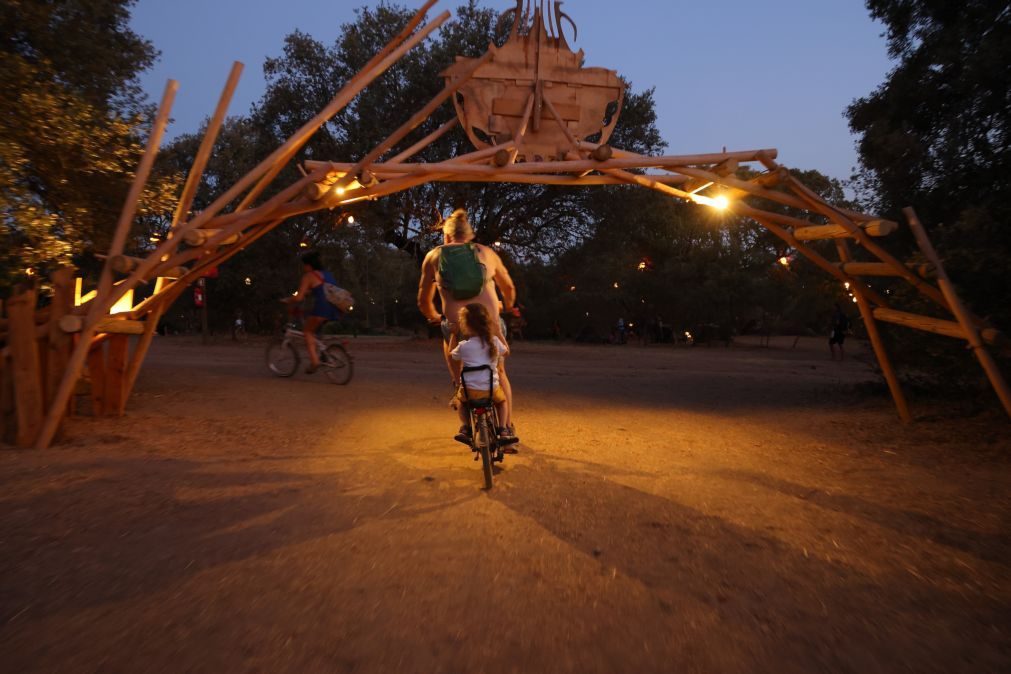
[533, 86]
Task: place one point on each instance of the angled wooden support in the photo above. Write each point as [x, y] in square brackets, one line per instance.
[836, 216]
[206, 145]
[378, 64]
[878, 344]
[964, 317]
[412, 123]
[426, 141]
[107, 294]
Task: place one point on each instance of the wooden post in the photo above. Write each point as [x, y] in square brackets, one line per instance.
[96, 373]
[59, 342]
[115, 375]
[962, 314]
[867, 313]
[8, 414]
[26, 368]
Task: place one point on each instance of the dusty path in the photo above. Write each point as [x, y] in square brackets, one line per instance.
[693, 510]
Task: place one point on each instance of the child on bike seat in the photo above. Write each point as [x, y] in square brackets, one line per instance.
[479, 347]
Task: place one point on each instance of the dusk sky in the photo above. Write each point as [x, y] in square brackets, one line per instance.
[735, 73]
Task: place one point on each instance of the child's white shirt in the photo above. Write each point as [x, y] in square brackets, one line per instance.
[474, 353]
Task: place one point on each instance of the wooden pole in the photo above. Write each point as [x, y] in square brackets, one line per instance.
[884, 362]
[359, 81]
[106, 294]
[206, 145]
[426, 141]
[296, 140]
[416, 119]
[962, 314]
[29, 403]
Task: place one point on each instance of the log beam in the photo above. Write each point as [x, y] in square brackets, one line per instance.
[871, 228]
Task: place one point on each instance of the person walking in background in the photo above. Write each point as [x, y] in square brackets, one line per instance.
[837, 336]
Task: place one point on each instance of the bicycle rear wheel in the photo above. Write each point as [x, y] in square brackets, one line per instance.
[337, 364]
[484, 439]
[282, 358]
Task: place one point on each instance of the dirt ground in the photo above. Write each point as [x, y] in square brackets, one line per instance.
[671, 510]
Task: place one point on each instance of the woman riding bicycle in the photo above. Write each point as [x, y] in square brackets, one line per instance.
[313, 278]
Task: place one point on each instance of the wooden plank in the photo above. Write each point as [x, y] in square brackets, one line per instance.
[96, 372]
[965, 318]
[516, 107]
[117, 326]
[871, 228]
[115, 375]
[27, 373]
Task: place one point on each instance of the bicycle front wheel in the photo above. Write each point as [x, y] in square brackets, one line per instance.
[282, 358]
[337, 364]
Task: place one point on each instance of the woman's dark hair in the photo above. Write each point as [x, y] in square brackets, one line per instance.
[312, 259]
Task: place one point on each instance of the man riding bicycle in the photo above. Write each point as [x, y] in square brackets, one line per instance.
[465, 272]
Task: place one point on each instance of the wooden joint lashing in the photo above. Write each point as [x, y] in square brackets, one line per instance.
[818, 232]
[200, 237]
[602, 152]
[125, 264]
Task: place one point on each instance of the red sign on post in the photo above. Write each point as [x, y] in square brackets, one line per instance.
[211, 272]
[198, 296]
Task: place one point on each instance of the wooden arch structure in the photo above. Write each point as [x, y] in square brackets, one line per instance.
[535, 116]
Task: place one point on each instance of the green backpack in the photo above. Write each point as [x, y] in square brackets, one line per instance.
[461, 271]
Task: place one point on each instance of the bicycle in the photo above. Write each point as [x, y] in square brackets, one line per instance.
[484, 425]
[283, 357]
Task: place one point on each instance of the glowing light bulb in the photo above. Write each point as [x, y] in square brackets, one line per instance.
[351, 219]
[785, 261]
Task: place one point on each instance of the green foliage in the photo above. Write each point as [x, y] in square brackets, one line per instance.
[70, 129]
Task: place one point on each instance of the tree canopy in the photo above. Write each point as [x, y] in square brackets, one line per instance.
[70, 129]
[937, 135]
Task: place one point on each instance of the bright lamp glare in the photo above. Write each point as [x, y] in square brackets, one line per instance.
[720, 202]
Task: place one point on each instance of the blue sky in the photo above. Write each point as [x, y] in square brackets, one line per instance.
[739, 74]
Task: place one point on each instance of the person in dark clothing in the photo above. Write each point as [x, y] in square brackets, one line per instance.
[313, 279]
[837, 336]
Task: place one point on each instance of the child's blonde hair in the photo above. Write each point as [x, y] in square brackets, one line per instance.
[475, 320]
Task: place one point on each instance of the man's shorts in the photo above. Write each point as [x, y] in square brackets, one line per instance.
[481, 394]
[449, 329]
[837, 337]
